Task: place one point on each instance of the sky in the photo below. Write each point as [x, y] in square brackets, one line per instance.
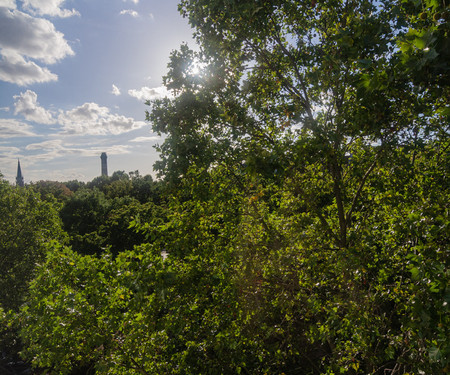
[74, 77]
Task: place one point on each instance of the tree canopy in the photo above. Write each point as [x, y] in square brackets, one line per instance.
[304, 226]
[27, 225]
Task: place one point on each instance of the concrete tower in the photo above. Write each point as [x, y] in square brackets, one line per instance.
[19, 177]
[104, 165]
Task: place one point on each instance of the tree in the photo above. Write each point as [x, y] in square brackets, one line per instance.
[51, 190]
[425, 47]
[145, 189]
[330, 92]
[121, 184]
[116, 230]
[331, 69]
[96, 222]
[83, 215]
[279, 73]
[139, 312]
[27, 225]
[307, 203]
[74, 185]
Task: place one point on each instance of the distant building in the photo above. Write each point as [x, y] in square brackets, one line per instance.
[104, 164]
[19, 177]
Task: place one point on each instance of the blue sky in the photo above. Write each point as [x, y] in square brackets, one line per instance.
[74, 76]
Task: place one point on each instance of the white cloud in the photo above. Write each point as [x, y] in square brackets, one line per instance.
[23, 37]
[90, 118]
[121, 124]
[48, 7]
[50, 150]
[110, 150]
[87, 119]
[133, 1]
[147, 93]
[15, 69]
[11, 128]
[151, 15]
[115, 90]
[131, 12]
[145, 139]
[8, 150]
[11, 4]
[27, 105]
[36, 38]
[6, 109]
[46, 145]
[88, 112]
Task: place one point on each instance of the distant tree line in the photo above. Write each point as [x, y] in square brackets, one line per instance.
[97, 214]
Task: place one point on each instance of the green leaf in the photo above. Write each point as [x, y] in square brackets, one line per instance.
[435, 354]
[415, 273]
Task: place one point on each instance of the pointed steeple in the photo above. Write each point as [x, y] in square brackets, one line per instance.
[19, 177]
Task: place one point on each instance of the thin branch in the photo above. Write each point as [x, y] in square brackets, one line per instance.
[255, 208]
[297, 73]
[361, 186]
[288, 86]
[327, 227]
[337, 180]
[136, 366]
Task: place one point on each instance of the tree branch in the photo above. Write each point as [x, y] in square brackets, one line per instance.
[361, 185]
[297, 73]
[337, 180]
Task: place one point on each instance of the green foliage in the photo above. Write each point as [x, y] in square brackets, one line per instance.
[74, 185]
[137, 313]
[51, 190]
[27, 224]
[425, 46]
[243, 275]
[305, 222]
[95, 223]
[82, 216]
[98, 215]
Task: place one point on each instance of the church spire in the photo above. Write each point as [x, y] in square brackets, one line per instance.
[19, 177]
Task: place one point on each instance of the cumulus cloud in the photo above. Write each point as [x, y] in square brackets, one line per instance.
[11, 128]
[11, 4]
[15, 69]
[115, 90]
[27, 105]
[90, 118]
[147, 93]
[131, 12]
[48, 7]
[88, 112]
[87, 119]
[23, 37]
[36, 38]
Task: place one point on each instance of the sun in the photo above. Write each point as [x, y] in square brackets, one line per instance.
[197, 67]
